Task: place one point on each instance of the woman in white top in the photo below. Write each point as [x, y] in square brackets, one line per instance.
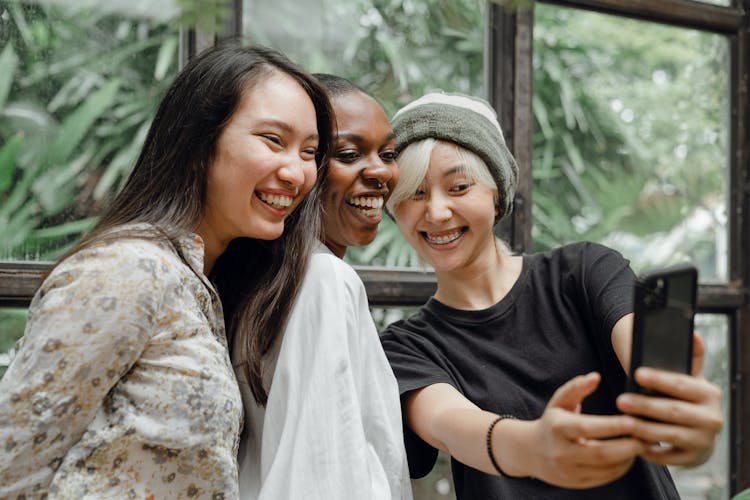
[330, 427]
[122, 386]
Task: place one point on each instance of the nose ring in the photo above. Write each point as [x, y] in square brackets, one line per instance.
[378, 184]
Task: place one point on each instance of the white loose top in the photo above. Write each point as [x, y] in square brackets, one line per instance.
[122, 385]
[331, 429]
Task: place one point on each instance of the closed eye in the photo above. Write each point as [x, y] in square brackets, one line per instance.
[347, 156]
[460, 187]
[272, 138]
[310, 153]
[418, 194]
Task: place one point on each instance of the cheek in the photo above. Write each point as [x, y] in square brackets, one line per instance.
[311, 175]
[339, 177]
[484, 211]
[394, 177]
[406, 219]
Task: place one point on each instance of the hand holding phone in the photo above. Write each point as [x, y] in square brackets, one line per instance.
[664, 310]
[663, 338]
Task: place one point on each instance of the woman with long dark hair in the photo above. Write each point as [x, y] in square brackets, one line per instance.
[122, 385]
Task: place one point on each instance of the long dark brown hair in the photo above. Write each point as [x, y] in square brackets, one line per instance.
[257, 280]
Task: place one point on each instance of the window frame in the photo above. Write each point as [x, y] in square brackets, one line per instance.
[510, 90]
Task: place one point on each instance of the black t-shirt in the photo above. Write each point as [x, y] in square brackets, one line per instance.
[554, 324]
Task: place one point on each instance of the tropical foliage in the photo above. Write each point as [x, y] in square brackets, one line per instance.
[630, 143]
[78, 87]
[77, 93]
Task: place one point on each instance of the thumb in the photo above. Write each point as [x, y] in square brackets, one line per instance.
[569, 395]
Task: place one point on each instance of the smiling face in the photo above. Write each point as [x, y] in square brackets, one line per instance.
[362, 172]
[449, 219]
[264, 163]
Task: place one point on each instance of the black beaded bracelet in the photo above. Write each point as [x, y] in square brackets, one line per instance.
[489, 440]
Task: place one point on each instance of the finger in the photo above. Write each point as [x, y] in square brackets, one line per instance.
[575, 426]
[681, 437]
[678, 385]
[699, 350]
[605, 454]
[569, 395]
[672, 411]
[675, 456]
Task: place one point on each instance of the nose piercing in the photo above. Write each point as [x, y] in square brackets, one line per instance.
[378, 184]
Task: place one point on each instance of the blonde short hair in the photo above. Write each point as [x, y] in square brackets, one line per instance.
[414, 161]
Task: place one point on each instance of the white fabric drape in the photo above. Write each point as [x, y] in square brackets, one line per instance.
[332, 426]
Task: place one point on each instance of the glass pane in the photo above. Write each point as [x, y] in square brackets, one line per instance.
[12, 323]
[396, 50]
[79, 80]
[630, 149]
[438, 484]
[384, 316]
[711, 480]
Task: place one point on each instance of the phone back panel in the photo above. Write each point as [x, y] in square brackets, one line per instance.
[664, 303]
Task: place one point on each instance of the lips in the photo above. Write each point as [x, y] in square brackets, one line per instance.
[444, 237]
[371, 206]
[277, 201]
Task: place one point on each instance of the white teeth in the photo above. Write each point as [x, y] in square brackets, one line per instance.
[367, 202]
[372, 213]
[444, 239]
[370, 206]
[276, 200]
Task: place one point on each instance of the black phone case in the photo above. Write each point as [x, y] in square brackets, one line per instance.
[652, 295]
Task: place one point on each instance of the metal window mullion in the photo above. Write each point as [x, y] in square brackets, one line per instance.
[194, 42]
[684, 13]
[509, 77]
[739, 264]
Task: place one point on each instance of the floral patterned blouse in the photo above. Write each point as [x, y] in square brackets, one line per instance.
[122, 385]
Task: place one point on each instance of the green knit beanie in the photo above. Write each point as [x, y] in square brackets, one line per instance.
[467, 121]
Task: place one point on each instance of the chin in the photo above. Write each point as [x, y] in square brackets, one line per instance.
[442, 265]
[267, 234]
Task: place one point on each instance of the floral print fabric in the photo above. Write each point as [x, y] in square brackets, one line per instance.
[122, 385]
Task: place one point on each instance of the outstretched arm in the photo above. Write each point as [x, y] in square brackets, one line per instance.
[563, 447]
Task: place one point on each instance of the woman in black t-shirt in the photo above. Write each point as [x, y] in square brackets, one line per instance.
[515, 366]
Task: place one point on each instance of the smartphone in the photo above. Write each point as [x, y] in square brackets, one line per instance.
[664, 310]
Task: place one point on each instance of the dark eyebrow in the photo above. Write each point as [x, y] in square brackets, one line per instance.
[285, 127]
[358, 138]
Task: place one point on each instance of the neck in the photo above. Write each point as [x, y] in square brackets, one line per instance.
[213, 247]
[482, 283]
[338, 250]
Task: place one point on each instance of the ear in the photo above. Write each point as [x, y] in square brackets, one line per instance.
[499, 211]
